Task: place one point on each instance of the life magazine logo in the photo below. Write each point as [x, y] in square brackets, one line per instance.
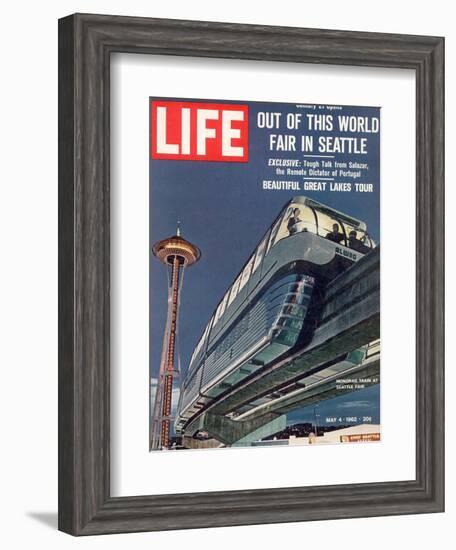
[182, 130]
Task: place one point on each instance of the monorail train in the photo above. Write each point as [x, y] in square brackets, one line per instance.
[271, 308]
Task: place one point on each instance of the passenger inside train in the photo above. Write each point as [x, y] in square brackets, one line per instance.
[324, 223]
[357, 244]
[335, 235]
[293, 221]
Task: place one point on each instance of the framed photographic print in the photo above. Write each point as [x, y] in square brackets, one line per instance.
[250, 274]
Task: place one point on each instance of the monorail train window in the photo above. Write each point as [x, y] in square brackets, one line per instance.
[259, 253]
[221, 308]
[218, 312]
[246, 273]
[234, 290]
[298, 218]
[331, 228]
[201, 342]
[272, 238]
[198, 348]
[225, 301]
[359, 240]
[297, 311]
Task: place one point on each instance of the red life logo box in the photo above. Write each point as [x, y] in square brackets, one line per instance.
[182, 130]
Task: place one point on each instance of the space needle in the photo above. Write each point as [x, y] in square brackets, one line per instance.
[176, 253]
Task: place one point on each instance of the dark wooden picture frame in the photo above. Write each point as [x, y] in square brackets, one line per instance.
[85, 45]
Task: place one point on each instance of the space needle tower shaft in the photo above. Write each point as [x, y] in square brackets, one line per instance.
[176, 253]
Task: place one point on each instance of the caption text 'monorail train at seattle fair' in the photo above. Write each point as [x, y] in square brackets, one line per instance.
[273, 306]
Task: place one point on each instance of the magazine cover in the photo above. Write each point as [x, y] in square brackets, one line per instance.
[264, 274]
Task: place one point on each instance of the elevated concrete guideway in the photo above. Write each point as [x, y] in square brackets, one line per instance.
[314, 392]
[350, 319]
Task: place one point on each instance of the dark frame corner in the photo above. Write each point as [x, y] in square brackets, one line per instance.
[85, 45]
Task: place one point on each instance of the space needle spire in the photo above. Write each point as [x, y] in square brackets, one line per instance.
[176, 253]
